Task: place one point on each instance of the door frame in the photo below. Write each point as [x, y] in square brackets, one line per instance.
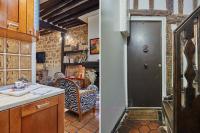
[163, 47]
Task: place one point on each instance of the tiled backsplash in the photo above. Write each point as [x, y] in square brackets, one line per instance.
[15, 61]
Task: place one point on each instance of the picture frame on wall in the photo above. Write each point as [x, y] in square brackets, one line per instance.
[94, 46]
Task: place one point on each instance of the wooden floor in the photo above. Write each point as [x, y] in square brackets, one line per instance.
[89, 124]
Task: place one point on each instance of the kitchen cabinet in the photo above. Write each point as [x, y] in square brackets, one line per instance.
[42, 116]
[16, 15]
[17, 19]
[22, 15]
[13, 14]
[30, 17]
[3, 12]
[4, 121]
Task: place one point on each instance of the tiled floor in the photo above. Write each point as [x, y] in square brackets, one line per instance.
[89, 124]
[139, 126]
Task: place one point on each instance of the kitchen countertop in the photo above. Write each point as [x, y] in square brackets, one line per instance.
[7, 102]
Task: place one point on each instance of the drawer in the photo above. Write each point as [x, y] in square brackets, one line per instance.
[34, 107]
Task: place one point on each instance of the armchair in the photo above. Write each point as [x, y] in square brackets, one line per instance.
[77, 100]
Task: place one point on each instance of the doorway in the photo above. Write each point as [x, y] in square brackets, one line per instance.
[146, 63]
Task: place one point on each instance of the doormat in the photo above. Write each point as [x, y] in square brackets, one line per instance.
[143, 114]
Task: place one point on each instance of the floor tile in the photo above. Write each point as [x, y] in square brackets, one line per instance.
[89, 123]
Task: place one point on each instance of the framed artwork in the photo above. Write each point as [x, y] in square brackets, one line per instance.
[94, 46]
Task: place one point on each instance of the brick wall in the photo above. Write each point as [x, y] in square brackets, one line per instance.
[51, 45]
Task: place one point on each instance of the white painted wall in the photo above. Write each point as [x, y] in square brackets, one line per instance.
[93, 32]
[36, 25]
[187, 7]
[143, 4]
[160, 4]
[175, 6]
[113, 99]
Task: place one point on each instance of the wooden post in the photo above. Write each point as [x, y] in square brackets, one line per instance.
[62, 52]
[135, 4]
[180, 6]
[151, 4]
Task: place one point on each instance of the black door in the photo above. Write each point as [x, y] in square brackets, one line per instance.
[144, 64]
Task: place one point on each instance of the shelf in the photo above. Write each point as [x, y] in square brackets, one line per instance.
[94, 65]
[77, 51]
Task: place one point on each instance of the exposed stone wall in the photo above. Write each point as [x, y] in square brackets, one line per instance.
[15, 61]
[51, 45]
[77, 38]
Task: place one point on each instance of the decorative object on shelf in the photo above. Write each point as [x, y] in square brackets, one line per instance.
[91, 75]
[94, 46]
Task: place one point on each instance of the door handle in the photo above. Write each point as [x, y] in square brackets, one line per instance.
[145, 66]
[159, 65]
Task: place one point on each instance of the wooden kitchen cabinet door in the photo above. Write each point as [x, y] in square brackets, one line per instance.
[30, 17]
[3, 12]
[45, 121]
[13, 14]
[22, 15]
[4, 121]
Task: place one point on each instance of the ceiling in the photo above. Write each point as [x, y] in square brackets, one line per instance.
[61, 15]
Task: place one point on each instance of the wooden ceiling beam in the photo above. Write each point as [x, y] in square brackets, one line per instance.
[73, 25]
[78, 14]
[69, 22]
[66, 21]
[49, 3]
[45, 33]
[47, 25]
[55, 9]
[79, 8]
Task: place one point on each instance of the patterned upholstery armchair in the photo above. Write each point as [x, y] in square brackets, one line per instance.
[77, 100]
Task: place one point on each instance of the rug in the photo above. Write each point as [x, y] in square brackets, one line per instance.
[143, 114]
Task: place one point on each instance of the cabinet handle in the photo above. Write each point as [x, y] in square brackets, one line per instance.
[13, 25]
[42, 105]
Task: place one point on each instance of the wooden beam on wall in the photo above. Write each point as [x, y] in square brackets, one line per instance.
[62, 52]
[180, 6]
[194, 4]
[149, 12]
[151, 4]
[170, 5]
[135, 4]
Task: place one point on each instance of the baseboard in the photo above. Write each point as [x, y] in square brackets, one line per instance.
[118, 122]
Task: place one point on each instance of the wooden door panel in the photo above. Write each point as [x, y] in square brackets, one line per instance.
[44, 121]
[4, 121]
[144, 65]
[3, 12]
[13, 14]
[22, 16]
[30, 17]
